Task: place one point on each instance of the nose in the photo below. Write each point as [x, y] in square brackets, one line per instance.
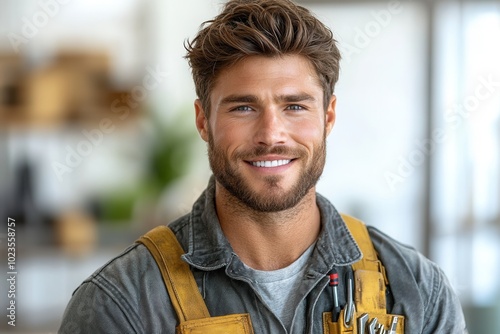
[271, 128]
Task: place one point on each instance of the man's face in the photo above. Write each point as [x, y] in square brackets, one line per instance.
[267, 130]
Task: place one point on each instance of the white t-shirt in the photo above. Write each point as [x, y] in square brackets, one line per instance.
[277, 287]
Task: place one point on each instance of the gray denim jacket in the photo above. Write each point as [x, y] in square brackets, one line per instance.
[127, 295]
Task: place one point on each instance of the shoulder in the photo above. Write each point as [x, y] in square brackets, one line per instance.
[134, 272]
[396, 254]
[405, 263]
[124, 295]
[419, 287]
[127, 271]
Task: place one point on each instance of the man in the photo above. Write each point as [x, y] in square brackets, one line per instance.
[260, 240]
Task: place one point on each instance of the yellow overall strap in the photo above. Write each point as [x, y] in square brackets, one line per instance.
[179, 280]
[369, 273]
[186, 299]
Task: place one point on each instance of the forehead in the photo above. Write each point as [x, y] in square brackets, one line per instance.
[262, 74]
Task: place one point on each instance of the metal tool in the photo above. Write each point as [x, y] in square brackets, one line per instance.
[349, 307]
[362, 320]
[394, 325]
[371, 326]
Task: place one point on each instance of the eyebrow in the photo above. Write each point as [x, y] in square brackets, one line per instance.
[239, 99]
[300, 97]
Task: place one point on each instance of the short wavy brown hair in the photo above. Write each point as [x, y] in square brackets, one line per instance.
[261, 27]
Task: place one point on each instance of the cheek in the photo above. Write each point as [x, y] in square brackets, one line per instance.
[229, 135]
[308, 133]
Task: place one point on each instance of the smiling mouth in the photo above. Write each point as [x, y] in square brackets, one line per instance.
[271, 163]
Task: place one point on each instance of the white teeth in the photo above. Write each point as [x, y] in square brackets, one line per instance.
[274, 163]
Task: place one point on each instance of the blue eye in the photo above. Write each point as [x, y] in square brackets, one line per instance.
[295, 107]
[242, 108]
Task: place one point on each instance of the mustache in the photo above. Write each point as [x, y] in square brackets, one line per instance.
[259, 151]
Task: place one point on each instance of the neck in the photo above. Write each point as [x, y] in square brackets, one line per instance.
[268, 240]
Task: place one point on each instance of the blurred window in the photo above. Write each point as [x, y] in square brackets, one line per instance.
[467, 165]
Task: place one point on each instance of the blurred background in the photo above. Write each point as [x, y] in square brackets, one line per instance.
[98, 143]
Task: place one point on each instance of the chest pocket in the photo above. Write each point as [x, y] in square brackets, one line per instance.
[369, 313]
[368, 291]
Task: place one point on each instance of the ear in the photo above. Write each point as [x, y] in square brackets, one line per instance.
[201, 120]
[330, 115]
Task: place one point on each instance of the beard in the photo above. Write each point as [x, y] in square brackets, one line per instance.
[275, 198]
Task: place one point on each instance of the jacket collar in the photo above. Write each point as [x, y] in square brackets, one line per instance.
[209, 249]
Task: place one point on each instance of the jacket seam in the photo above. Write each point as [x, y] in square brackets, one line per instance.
[100, 270]
[432, 302]
[119, 299]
